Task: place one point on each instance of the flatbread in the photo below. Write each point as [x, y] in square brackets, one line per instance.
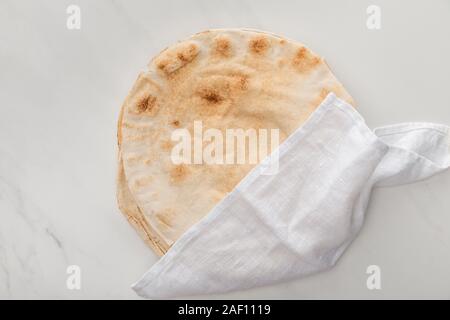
[231, 78]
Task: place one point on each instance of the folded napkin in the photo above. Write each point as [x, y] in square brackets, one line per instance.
[272, 228]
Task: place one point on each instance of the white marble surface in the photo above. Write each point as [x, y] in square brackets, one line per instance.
[60, 93]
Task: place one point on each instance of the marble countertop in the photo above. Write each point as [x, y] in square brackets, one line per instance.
[60, 93]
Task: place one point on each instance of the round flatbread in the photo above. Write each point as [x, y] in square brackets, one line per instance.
[223, 79]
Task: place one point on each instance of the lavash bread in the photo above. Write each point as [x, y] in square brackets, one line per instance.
[231, 78]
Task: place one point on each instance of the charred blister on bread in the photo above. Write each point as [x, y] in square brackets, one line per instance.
[216, 94]
[222, 47]
[304, 60]
[176, 58]
[210, 95]
[146, 104]
[143, 99]
[175, 123]
[259, 45]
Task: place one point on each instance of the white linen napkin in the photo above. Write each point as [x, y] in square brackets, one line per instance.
[272, 228]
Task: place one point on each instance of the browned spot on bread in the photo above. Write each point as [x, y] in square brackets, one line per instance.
[178, 173]
[188, 53]
[175, 123]
[162, 64]
[242, 83]
[282, 42]
[222, 47]
[304, 60]
[213, 90]
[172, 60]
[210, 95]
[166, 145]
[259, 45]
[216, 94]
[146, 104]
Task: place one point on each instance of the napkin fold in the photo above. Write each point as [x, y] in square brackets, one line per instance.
[273, 228]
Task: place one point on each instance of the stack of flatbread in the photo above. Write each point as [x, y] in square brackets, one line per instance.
[229, 78]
